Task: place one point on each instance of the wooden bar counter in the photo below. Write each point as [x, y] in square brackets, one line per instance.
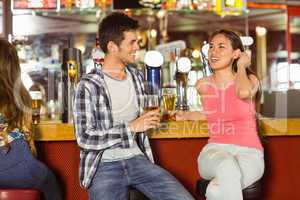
[57, 131]
[176, 146]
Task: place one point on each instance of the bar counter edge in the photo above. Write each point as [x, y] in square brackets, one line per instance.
[57, 131]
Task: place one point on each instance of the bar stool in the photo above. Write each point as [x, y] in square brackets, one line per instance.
[19, 194]
[134, 194]
[252, 192]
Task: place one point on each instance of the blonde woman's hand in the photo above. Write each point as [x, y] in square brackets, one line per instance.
[3, 127]
[3, 123]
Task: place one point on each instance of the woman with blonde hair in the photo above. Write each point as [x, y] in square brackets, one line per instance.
[18, 166]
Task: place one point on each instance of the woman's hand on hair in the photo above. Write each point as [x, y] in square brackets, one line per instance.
[244, 60]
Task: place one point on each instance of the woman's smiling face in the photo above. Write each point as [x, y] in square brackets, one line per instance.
[220, 53]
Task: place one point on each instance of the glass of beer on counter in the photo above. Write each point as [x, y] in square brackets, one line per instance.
[36, 103]
[169, 102]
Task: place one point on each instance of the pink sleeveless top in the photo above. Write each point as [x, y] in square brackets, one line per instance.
[230, 119]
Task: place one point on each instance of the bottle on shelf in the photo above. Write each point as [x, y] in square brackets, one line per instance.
[68, 4]
[172, 69]
[83, 4]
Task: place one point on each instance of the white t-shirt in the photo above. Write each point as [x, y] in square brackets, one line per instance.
[124, 109]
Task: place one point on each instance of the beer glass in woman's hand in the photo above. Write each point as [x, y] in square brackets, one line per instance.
[169, 101]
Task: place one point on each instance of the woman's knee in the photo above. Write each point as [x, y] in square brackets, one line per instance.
[207, 159]
[209, 162]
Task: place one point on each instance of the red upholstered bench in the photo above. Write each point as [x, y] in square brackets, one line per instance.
[19, 194]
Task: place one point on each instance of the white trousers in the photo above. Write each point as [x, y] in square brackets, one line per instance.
[230, 169]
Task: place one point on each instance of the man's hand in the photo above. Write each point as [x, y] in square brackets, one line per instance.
[146, 121]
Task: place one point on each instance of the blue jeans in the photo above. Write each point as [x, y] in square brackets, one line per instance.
[112, 181]
[19, 169]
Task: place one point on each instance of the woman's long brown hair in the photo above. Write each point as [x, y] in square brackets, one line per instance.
[15, 101]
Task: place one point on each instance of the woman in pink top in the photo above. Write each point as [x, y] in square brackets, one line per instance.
[233, 158]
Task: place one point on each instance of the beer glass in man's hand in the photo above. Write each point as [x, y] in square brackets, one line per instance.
[150, 117]
[151, 102]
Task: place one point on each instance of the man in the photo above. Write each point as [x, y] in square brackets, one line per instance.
[115, 151]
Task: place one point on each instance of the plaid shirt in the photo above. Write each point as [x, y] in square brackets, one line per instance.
[93, 121]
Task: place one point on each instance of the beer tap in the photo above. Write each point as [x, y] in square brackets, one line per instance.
[184, 66]
[71, 74]
[207, 71]
[153, 61]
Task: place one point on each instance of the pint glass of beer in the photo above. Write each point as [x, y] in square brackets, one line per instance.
[36, 102]
[169, 101]
[151, 102]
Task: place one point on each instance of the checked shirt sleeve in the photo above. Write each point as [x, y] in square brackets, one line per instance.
[92, 116]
